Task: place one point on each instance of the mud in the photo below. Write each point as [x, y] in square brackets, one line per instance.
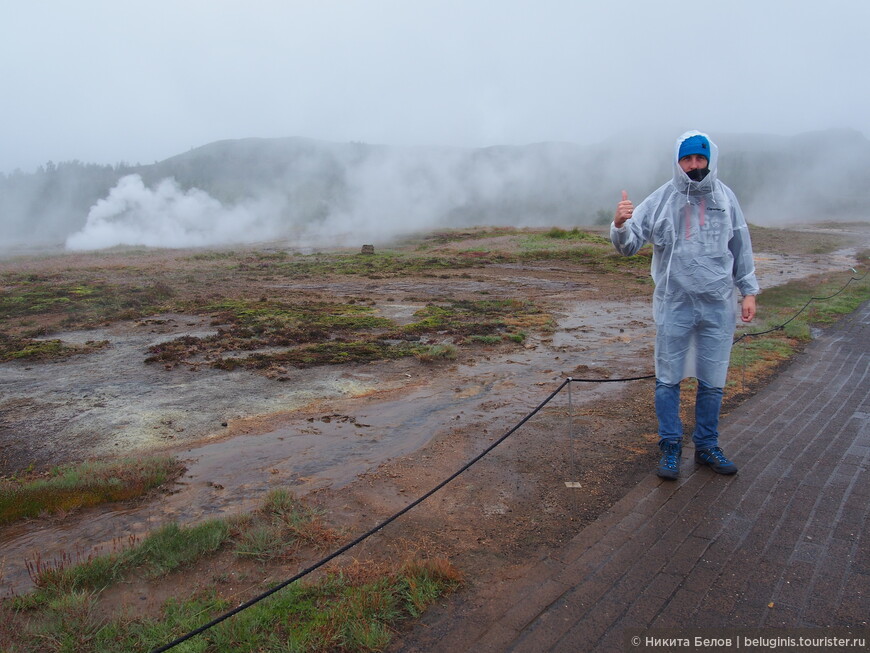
[322, 429]
[778, 269]
[112, 402]
[363, 440]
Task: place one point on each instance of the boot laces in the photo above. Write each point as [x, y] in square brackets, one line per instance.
[672, 453]
[719, 455]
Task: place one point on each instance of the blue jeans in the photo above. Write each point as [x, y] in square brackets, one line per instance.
[708, 403]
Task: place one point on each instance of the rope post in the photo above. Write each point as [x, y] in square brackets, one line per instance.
[571, 430]
[572, 445]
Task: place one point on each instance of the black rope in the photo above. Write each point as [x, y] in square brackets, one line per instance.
[802, 309]
[435, 489]
[628, 378]
[745, 335]
[362, 537]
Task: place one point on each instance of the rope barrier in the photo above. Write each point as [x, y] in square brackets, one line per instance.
[620, 380]
[802, 309]
[365, 535]
[445, 482]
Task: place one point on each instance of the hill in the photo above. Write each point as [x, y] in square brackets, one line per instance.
[305, 190]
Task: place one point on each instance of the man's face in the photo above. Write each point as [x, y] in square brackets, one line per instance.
[693, 162]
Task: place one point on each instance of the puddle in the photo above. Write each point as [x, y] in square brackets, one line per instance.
[777, 269]
[606, 328]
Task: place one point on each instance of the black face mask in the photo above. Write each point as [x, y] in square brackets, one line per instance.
[698, 174]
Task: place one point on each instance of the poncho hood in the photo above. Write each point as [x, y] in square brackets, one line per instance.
[681, 180]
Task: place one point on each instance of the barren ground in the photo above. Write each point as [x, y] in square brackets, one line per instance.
[363, 440]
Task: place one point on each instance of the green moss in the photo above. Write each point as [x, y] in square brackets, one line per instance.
[326, 353]
[433, 353]
[273, 317]
[458, 235]
[574, 234]
[381, 265]
[214, 256]
[332, 333]
[15, 348]
[82, 303]
[796, 307]
[820, 294]
[751, 351]
[465, 317]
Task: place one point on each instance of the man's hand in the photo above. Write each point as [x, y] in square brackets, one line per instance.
[624, 211]
[747, 313]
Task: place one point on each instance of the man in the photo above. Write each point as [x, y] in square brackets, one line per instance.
[701, 251]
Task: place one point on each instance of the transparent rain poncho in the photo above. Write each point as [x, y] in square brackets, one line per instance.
[701, 251]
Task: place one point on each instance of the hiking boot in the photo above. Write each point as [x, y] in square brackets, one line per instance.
[669, 465]
[715, 458]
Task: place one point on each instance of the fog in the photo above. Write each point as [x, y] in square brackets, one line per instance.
[308, 193]
[456, 95]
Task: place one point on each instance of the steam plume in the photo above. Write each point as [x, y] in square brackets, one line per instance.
[168, 216]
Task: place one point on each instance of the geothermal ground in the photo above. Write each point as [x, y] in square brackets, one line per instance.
[362, 439]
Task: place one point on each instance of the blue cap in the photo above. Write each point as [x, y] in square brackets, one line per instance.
[695, 145]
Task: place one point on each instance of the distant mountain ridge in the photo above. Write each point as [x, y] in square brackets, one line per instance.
[305, 182]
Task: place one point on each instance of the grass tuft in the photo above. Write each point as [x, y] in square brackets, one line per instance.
[77, 486]
[173, 546]
[781, 304]
[351, 609]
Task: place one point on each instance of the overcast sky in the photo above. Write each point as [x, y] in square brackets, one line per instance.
[138, 81]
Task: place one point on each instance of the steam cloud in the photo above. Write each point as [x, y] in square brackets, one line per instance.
[379, 197]
[168, 216]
